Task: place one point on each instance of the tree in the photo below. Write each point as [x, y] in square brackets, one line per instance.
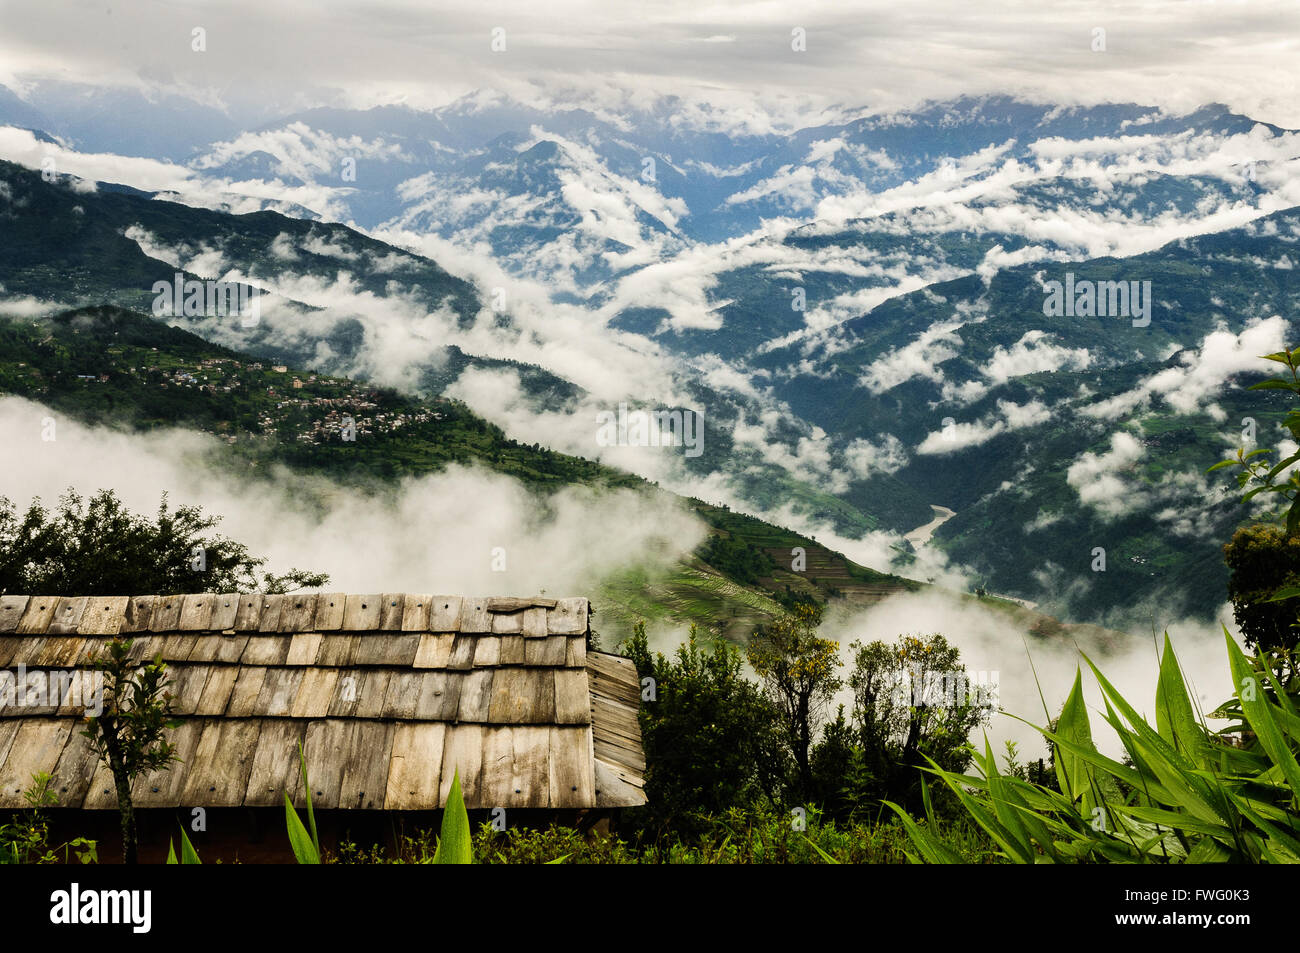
[100, 548]
[1263, 561]
[128, 733]
[911, 701]
[707, 732]
[797, 670]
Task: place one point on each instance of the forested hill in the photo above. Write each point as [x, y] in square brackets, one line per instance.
[107, 365]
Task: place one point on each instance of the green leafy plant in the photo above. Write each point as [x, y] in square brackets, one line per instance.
[128, 733]
[455, 844]
[25, 840]
[306, 846]
[1189, 795]
[188, 854]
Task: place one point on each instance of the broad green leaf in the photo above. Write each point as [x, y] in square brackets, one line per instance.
[1175, 719]
[454, 845]
[1254, 703]
[304, 849]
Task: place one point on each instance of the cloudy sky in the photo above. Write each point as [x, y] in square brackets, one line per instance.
[278, 56]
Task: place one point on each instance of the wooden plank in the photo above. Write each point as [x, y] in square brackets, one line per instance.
[248, 686]
[573, 782]
[217, 690]
[617, 716]
[303, 648]
[36, 747]
[166, 614]
[572, 697]
[11, 612]
[144, 647]
[275, 762]
[208, 645]
[187, 684]
[75, 768]
[463, 754]
[512, 604]
[347, 690]
[278, 692]
[533, 623]
[157, 788]
[272, 606]
[139, 613]
[488, 651]
[415, 766]
[507, 623]
[327, 745]
[569, 617]
[60, 651]
[222, 762]
[474, 617]
[249, 615]
[196, 611]
[298, 613]
[462, 653]
[522, 696]
[445, 614]
[415, 612]
[497, 783]
[104, 615]
[549, 651]
[439, 696]
[83, 693]
[372, 692]
[403, 694]
[226, 648]
[177, 647]
[337, 650]
[620, 754]
[390, 619]
[615, 788]
[434, 651]
[329, 611]
[67, 615]
[511, 651]
[475, 695]
[391, 649]
[266, 650]
[575, 655]
[531, 769]
[225, 612]
[36, 618]
[365, 771]
[362, 612]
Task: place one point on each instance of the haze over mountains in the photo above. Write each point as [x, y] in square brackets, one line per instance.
[855, 305]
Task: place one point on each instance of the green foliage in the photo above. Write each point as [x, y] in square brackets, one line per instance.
[454, 846]
[760, 836]
[25, 839]
[306, 846]
[736, 558]
[1188, 795]
[100, 548]
[708, 735]
[797, 670]
[1264, 562]
[188, 854]
[128, 733]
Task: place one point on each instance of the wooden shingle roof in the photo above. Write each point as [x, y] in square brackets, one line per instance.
[389, 695]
